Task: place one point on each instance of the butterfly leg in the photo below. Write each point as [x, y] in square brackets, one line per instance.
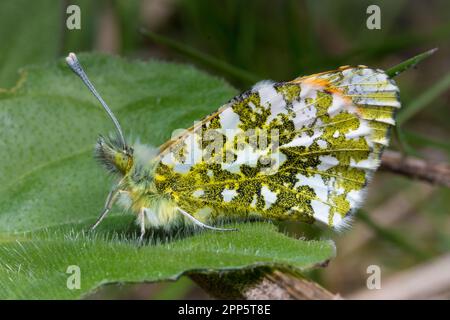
[201, 224]
[141, 219]
[110, 199]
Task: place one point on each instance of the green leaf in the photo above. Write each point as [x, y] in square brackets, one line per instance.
[410, 63]
[51, 189]
[36, 267]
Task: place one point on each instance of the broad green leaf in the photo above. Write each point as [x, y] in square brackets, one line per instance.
[51, 189]
[36, 267]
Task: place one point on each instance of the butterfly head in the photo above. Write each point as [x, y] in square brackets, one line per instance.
[115, 157]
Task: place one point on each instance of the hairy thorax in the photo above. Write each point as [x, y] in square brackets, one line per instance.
[139, 192]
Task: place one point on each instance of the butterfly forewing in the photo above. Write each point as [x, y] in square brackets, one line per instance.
[299, 150]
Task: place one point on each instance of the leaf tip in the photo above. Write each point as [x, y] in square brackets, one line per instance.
[410, 63]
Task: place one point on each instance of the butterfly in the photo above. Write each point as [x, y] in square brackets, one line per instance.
[302, 150]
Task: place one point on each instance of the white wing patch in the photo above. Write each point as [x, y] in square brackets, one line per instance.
[269, 196]
[228, 195]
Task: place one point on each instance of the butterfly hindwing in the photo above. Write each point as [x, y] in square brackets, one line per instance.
[299, 150]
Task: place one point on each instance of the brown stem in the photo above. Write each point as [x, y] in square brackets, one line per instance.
[436, 173]
[261, 284]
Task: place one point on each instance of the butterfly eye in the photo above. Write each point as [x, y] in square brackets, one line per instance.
[129, 151]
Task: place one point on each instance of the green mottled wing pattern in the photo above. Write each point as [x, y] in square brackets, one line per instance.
[330, 129]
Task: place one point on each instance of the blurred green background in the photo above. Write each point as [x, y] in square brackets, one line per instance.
[406, 224]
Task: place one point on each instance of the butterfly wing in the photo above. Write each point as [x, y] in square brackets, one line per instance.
[324, 135]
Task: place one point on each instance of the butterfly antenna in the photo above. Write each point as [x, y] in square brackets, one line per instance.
[75, 65]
